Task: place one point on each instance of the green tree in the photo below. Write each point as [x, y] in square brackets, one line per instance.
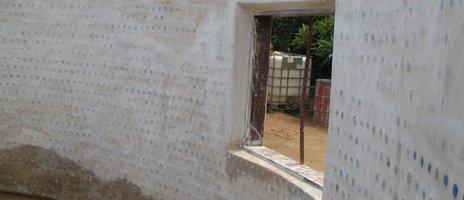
[283, 32]
[290, 35]
[322, 47]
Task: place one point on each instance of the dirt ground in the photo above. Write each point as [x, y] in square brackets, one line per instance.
[7, 196]
[282, 134]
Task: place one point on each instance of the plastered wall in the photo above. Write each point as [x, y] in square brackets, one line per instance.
[138, 99]
[397, 118]
[144, 99]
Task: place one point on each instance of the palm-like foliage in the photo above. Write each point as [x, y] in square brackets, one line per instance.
[324, 49]
[283, 32]
[323, 40]
[300, 38]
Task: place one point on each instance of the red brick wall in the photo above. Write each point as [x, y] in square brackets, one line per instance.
[322, 102]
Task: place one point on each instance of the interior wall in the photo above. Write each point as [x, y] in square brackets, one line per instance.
[122, 99]
[397, 120]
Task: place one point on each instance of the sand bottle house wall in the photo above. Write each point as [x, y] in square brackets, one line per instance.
[397, 118]
[145, 99]
[130, 100]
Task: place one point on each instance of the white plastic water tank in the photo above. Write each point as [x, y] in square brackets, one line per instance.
[285, 77]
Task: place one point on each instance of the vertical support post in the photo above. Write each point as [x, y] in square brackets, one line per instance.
[281, 81]
[272, 78]
[306, 77]
[262, 49]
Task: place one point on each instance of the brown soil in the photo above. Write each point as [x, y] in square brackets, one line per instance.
[282, 134]
[42, 172]
[7, 196]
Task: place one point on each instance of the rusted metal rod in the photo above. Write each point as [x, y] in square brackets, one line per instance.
[306, 77]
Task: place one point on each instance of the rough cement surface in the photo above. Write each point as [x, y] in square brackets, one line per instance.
[245, 168]
[141, 90]
[397, 117]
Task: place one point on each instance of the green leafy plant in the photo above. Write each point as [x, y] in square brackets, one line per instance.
[283, 31]
[300, 38]
[322, 47]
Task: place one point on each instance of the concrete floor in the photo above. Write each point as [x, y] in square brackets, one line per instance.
[7, 196]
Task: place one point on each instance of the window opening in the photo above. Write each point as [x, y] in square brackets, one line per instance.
[287, 115]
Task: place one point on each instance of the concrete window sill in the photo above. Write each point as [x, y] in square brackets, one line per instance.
[288, 165]
[256, 155]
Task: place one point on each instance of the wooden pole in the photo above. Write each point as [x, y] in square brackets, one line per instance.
[262, 48]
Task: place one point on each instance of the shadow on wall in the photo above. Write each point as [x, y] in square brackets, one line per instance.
[39, 172]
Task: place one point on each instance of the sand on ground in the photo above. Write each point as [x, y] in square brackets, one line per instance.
[282, 135]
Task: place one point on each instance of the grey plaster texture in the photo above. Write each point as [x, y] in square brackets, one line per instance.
[145, 99]
[142, 99]
[397, 117]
